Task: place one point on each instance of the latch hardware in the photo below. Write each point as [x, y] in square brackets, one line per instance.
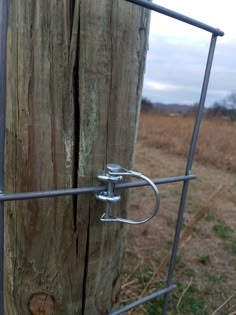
[115, 173]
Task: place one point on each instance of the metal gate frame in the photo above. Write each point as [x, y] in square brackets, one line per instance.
[4, 197]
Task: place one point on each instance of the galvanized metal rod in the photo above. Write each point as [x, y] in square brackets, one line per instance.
[143, 300]
[189, 167]
[3, 45]
[161, 181]
[177, 16]
[83, 190]
[201, 104]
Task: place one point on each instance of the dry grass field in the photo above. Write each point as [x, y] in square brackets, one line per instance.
[216, 145]
[205, 271]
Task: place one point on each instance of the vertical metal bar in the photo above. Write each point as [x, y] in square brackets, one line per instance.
[201, 104]
[3, 44]
[189, 167]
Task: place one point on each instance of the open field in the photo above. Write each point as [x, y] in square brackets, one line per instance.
[206, 266]
[216, 145]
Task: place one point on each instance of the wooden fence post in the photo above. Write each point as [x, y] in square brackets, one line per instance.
[74, 79]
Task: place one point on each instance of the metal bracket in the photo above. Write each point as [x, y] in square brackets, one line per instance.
[113, 174]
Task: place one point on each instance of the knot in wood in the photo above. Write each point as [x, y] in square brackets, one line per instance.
[42, 304]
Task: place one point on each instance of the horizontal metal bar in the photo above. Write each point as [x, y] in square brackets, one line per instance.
[83, 190]
[143, 300]
[161, 181]
[157, 8]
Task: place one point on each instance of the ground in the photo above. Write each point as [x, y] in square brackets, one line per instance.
[206, 263]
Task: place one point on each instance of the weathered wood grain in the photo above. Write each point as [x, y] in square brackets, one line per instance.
[75, 71]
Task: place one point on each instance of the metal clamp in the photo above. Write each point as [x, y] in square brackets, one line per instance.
[114, 174]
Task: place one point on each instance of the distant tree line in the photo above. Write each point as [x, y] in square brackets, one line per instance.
[146, 104]
[224, 108]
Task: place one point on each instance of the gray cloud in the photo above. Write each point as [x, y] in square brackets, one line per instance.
[175, 70]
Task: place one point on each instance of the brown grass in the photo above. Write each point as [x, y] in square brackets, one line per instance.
[205, 268]
[216, 145]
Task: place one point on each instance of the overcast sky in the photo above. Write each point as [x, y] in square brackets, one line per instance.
[178, 52]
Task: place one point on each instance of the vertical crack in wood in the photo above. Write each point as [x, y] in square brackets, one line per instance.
[74, 54]
[76, 141]
[111, 83]
[86, 262]
[72, 11]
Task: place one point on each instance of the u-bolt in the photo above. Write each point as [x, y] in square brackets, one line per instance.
[113, 174]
